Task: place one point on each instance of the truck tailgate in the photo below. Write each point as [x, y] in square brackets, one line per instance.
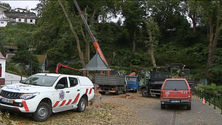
[174, 94]
[110, 80]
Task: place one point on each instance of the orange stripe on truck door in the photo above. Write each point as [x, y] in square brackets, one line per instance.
[86, 91]
[76, 99]
[63, 102]
[90, 91]
[56, 104]
[69, 102]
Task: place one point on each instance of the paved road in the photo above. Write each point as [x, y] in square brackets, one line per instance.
[148, 111]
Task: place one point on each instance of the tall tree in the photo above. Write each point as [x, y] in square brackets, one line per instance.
[133, 12]
[213, 15]
[74, 33]
[153, 34]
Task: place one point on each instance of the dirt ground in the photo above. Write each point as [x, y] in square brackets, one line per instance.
[116, 110]
[128, 109]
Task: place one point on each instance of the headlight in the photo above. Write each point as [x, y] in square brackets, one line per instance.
[28, 95]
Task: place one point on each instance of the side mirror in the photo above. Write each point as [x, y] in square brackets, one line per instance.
[21, 81]
[60, 86]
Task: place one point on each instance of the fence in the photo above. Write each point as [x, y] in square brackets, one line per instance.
[210, 98]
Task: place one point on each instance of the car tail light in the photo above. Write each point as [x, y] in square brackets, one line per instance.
[189, 94]
[114, 89]
[161, 94]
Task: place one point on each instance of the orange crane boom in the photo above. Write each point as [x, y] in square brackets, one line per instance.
[94, 41]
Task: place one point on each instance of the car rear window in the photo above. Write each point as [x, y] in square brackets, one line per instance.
[175, 85]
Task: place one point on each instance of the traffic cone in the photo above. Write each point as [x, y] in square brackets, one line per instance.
[203, 102]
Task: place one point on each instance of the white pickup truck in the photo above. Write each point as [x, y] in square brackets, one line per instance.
[44, 93]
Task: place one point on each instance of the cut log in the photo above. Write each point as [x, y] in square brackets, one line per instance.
[96, 101]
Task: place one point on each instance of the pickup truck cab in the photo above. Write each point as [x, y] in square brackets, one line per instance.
[45, 93]
[176, 91]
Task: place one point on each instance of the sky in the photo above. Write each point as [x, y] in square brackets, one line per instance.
[29, 4]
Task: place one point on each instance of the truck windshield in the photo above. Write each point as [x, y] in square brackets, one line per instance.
[175, 85]
[131, 79]
[40, 80]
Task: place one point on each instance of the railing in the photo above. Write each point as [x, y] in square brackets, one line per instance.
[210, 98]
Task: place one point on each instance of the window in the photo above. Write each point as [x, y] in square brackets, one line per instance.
[2, 22]
[30, 20]
[40, 80]
[63, 81]
[175, 85]
[131, 79]
[73, 82]
[20, 20]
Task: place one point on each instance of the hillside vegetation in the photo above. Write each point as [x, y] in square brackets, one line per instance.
[149, 34]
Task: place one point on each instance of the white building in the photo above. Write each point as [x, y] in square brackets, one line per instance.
[3, 17]
[21, 17]
[17, 15]
[2, 69]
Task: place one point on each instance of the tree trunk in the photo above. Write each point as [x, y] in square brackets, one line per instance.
[134, 41]
[75, 35]
[213, 38]
[194, 26]
[152, 55]
[211, 48]
[152, 49]
[96, 101]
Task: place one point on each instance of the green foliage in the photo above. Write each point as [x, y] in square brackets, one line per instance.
[217, 67]
[176, 44]
[210, 88]
[5, 5]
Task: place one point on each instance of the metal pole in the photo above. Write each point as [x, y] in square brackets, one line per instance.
[214, 101]
[21, 71]
[209, 98]
[221, 105]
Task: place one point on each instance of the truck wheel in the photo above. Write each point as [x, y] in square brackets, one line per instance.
[158, 96]
[162, 106]
[189, 106]
[102, 93]
[42, 113]
[144, 92]
[81, 105]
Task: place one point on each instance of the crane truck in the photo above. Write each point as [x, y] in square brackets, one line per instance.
[107, 83]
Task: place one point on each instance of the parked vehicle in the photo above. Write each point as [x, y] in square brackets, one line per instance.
[111, 83]
[176, 91]
[132, 83]
[46, 93]
[151, 81]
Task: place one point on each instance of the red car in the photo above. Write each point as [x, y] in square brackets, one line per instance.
[176, 91]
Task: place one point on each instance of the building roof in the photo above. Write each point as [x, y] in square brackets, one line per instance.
[41, 58]
[1, 56]
[29, 15]
[20, 9]
[10, 47]
[96, 64]
[6, 8]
